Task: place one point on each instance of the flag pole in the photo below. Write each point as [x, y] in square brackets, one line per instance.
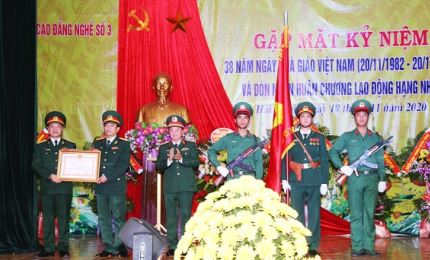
[287, 166]
[285, 18]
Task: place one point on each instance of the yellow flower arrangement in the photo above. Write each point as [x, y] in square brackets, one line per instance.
[243, 220]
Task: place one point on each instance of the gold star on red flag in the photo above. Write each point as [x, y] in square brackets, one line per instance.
[179, 21]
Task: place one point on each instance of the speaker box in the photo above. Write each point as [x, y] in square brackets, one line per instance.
[135, 225]
[142, 246]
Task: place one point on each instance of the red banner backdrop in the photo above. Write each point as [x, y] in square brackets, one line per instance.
[184, 55]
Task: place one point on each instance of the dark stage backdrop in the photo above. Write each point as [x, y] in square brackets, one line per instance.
[17, 125]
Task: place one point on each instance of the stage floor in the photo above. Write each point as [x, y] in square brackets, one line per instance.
[332, 247]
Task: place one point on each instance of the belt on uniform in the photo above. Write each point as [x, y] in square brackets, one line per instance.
[309, 165]
[240, 173]
[366, 172]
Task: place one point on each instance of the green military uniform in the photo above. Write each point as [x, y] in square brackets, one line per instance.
[362, 189]
[235, 144]
[56, 197]
[179, 182]
[111, 201]
[307, 191]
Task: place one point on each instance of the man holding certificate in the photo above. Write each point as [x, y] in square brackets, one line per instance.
[56, 196]
[111, 184]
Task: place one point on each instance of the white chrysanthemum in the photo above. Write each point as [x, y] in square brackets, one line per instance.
[190, 255]
[288, 249]
[301, 244]
[245, 252]
[282, 225]
[230, 236]
[269, 232]
[225, 252]
[210, 251]
[266, 249]
[248, 232]
[243, 220]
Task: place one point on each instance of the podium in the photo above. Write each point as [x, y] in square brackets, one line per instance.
[153, 209]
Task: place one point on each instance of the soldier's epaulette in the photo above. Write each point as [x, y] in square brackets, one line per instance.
[42, 141]
[124, 139]
[100, 138]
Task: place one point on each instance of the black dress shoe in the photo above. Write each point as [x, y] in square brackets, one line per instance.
[372, 253]
[357, 253]
[105, 254]
[64, 253]
[122, 251]
[312, 252]
[43, 253]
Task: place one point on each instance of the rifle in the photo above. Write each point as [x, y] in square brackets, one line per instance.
[242, 156]
[362, 160]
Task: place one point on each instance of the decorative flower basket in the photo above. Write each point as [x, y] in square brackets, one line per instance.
[243, 220]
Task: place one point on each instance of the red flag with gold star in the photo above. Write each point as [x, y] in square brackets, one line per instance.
[282, 138]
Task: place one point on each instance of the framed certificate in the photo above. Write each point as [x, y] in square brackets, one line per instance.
[78, 166]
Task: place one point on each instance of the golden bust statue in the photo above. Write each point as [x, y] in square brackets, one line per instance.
[158, 111]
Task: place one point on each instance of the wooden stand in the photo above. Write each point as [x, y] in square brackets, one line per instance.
[158, 225]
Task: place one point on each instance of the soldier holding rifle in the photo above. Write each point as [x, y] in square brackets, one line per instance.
[236, 143]
[308, 164]
[365, 181]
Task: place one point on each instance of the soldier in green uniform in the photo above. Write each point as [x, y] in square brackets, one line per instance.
[364, 184]
[177, 160]
[311, 176]
[111, 184]
[56, 195]
[236, 143]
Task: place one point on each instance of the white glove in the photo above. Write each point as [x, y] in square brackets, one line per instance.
[222, 170]
[323, 189]
[285, 185]
[347, 170]
[382, 186]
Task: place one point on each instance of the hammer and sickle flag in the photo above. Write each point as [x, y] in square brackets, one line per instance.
[282, 138]
[142, 25]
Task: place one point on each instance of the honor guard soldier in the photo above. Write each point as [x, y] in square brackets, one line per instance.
[111, 184]
[308, 173]
[236, 143]
[56, 195]
[177, 161]
[364, 184]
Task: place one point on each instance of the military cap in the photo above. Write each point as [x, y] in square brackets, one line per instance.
[112, 116]
[175, 120]
[361, 105]
[305, 107]
[242, 108]
[55, 117]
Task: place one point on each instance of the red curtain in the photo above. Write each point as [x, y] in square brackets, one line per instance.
[332, 224]
[183, 55]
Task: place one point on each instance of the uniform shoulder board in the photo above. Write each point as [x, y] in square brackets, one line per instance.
[100, 138]
[164, 142]
[42, 141]
[124, 139]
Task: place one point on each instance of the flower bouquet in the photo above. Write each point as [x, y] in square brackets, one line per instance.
[148, 137]
[243, 220]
